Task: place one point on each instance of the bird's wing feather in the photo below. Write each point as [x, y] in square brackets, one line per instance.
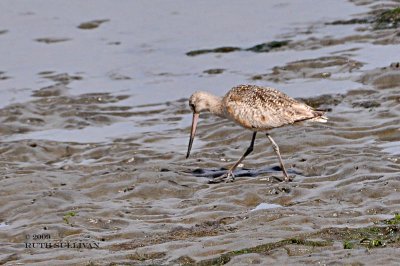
[263, 108]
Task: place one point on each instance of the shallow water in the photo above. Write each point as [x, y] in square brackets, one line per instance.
[141, 49]
[94, 128]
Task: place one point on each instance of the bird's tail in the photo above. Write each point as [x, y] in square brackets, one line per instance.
[319, 117]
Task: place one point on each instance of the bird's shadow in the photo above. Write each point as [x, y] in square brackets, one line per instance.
[216, 172]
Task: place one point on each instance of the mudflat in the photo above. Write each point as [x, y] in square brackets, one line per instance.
[98, 177]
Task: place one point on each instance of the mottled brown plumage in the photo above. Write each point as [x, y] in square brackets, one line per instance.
[255, 108]
[260, 108]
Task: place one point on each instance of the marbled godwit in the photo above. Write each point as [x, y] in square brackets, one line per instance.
[254, 108]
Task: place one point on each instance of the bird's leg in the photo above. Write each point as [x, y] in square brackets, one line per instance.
[276, 149]
[229, 175]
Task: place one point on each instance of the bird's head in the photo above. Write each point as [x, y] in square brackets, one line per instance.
[199, 101]
[202, 101]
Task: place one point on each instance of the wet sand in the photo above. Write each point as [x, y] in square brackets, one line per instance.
[90, 168]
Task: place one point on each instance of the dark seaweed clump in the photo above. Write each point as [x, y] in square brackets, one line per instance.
[224, 49]
[214, 71]
[259, 48]
[3, 76]
[350, 21]
[92, 24]
[389, 19]
[268, 46]
[323, 100]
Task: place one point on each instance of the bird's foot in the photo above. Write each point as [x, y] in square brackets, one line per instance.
[228, 177]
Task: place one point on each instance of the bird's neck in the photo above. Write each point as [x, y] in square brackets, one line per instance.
[215, 105]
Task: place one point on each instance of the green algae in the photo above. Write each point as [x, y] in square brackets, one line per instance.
[378, 236]
[388, 19]
[68, 215]
[348, 245]
[226, 257]
[394, 220]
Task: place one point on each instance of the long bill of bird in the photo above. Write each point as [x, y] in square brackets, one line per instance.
[192, 132]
